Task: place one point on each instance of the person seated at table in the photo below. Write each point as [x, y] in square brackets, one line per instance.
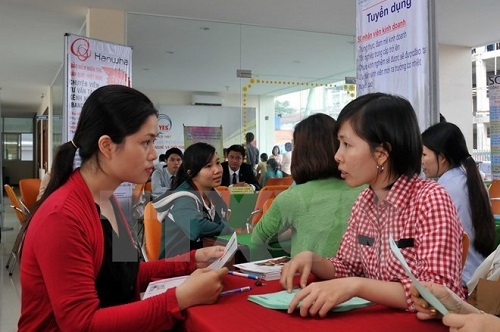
[80, 268]
[237, 173]
[162, 179]
[461, 316]
[314, 213]
[272, 171]
[194, 209]
[380, 145]
[445, 156]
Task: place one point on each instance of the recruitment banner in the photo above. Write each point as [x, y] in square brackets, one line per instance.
[89, 64]
[494, 96]
[392, 51]
[210, 135]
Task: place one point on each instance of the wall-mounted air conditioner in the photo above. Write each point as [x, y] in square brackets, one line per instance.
[207, 100]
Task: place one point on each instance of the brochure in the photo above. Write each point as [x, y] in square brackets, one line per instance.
[267, 269]
[281, 300]
[161, 286]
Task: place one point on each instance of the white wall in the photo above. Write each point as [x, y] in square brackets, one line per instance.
[455, 84]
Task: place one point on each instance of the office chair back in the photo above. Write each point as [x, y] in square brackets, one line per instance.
[29, 189]
[265, 193]
[152, 233]
[22, 215]
[465, 247]
[494, 192]
[279, 181]
[224, 193]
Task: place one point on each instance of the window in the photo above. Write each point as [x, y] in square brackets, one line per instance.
[18, 146]
[18, 139]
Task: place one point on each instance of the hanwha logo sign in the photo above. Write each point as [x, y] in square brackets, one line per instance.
[165, 123]
[81, 49]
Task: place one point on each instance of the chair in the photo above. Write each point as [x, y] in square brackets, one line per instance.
[265, 193]
[22, 215]
[29, 189]
[148, 189]
[152, 233]
[279, 181]
[465, 247]
[267, 205]
[224, 193]
[494, 192]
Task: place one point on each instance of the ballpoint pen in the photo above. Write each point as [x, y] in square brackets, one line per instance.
[236, 290]
[245, 275]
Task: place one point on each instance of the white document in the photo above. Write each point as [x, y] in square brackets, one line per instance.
[161, 286]
[424, 292]
[229, 251]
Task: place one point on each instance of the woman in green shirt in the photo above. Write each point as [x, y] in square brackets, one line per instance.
[315, 212]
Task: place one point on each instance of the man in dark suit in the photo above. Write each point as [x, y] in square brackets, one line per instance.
[235, 171]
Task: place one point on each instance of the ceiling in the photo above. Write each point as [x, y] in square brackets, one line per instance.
[235, 34]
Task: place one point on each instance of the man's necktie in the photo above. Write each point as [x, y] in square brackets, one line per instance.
[172, 179]
[234, 178]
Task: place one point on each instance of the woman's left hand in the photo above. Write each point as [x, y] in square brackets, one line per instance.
[318, 298]
[205, 256]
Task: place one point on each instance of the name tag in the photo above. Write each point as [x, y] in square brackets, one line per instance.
[405, 243]
[365, 240]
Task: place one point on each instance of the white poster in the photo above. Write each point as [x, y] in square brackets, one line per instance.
[494, 96]
[173, 118]
[392, 51]
[90, 64]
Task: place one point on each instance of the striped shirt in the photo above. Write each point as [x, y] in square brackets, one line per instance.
[422, 219]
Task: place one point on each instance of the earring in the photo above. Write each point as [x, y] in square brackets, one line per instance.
[380, 169]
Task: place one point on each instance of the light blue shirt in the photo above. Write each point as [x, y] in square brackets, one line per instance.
[455, 183]
[160, 182]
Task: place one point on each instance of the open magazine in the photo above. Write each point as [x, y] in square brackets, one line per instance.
[267, 269]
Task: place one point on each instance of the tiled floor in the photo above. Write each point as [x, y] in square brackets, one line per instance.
[10, 287]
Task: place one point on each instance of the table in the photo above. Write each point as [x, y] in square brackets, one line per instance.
[241, 206]
[236, 313]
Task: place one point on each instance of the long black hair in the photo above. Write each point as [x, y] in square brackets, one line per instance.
[447, 139]
[114, 110]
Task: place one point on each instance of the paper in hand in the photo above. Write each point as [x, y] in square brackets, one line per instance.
[424, 292]
[229, 251]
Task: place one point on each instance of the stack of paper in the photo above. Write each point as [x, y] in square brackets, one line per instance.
[281, 300]
[267, 269]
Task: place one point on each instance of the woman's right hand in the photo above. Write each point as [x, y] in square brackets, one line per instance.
[301, 263]
[201, 287]
[450, 300]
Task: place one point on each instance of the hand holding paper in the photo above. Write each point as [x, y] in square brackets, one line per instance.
[424, 292]
[229, 251]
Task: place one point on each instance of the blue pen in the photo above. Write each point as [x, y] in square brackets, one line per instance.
[237, 290]
[245, 275]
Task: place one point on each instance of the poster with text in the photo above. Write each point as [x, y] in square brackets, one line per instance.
[392, 51]
[210, 135]
[88, 65]
[494, 96]
[173, 118]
